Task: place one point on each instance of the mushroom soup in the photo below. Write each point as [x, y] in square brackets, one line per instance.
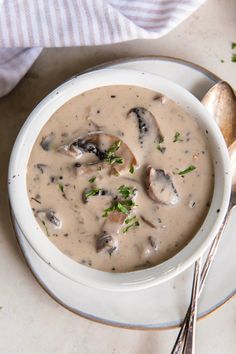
[120, 178]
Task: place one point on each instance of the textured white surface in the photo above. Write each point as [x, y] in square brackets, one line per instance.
[30, 322]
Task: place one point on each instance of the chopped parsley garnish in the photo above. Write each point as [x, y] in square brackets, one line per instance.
[161, 148]
[115, 159]
[125, 204]
[127, 192]
[131, 169]
[130, 222]
[92, 192]
[187, 170]
[93, 179]
[222, 61]
[233, 59]
[61, 187]
[118, 206]
[107, 211]
[114, 147]
[110, 155]
[177, 137]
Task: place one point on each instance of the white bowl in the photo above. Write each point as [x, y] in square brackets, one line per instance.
[45, 248]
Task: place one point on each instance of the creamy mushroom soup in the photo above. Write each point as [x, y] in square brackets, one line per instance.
[120, 178]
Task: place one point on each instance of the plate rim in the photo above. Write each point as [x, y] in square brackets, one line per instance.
[99, 319]
[53, 296]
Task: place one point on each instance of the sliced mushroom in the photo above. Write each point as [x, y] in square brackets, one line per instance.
[98, 143]
[108, 239]
[46, 142]
[106, 243]
[220, 101]
[147, 125]
[88, 144]
[148, 248]
[153, 243]
[160, 186]
[51, 216]
[88, 169]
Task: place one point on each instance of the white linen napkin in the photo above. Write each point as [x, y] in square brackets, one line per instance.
[26, 26]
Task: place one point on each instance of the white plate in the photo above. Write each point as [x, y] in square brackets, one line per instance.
[162, 306]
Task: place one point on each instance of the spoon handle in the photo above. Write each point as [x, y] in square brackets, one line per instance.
[189, 345]
[205, 270]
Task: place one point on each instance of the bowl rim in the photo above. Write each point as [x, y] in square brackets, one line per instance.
[47, 250]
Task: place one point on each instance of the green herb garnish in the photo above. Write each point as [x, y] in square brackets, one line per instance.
[127, 192]
[115, 159]
[45, 226]
[92, 192]
[161, 148]
[61, 187]
[233, 58]
[114, 147]
[130, 222]
[110, 155]
[120, 207]
[93, 179]
[131, 169]
[107, 211]
[177, 137]
[187, 170]
[123, 206]
[222, 61]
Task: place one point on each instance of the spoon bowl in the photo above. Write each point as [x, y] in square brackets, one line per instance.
[220, 101]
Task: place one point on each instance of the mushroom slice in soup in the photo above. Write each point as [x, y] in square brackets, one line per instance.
[148, 127]
[106, 243]
[50, 215]
[160, 186]
[46, 142]
[108, 239]
[110, 152]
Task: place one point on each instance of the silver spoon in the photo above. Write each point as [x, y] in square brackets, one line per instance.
[220, 101]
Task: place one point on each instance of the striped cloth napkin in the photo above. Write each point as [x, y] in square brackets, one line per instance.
[26, 26]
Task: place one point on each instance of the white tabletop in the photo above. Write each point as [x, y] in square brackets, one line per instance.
[30, 321]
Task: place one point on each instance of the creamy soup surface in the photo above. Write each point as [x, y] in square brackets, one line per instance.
[120, 178]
